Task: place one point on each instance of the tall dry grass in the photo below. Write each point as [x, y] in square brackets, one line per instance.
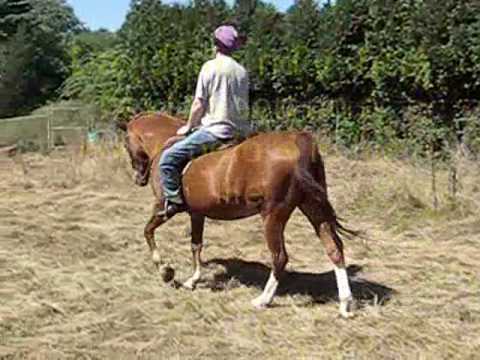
[77, 280]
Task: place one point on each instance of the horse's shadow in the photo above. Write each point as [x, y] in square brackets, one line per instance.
[320, 287]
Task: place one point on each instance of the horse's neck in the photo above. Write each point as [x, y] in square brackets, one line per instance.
[154, 146]
[154, 135]
[156, 150]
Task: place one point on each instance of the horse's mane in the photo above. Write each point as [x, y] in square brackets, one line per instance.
[156, 113]
[142, 114]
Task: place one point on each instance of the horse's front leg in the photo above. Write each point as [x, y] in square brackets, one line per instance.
[197, 226]
[149, 232]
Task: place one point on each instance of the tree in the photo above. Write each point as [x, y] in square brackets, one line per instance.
[244, 11]
[14, 64]
[369, 63]
[303, 21]
[35, 49]
[88, 43]
[12, 13]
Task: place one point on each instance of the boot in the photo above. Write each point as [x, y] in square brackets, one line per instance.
[171, 209]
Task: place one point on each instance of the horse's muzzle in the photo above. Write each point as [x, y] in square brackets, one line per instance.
[141, 180]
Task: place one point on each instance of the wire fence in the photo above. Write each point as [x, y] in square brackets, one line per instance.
[50, 128]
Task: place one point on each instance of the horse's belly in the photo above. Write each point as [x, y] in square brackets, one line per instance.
[222, 195]
[216, 203]
[230, 212]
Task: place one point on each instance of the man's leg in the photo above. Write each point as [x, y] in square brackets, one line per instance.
[175, 158]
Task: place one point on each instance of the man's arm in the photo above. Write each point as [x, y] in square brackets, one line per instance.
[196, 113]
[199, 105]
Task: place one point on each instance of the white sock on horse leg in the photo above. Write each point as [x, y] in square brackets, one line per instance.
[268, 292]
[156, 257]
[344, 292]
[343, 286]
[193, 280]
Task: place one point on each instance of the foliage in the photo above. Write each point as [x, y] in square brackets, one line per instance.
[33, 41]
[104, 80]
[366, 71]
[12, 13]
[88, 43]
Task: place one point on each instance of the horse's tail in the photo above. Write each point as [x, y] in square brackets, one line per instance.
[310, 176]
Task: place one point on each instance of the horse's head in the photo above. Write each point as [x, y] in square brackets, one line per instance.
[138, 157]
[146, 134]
[140, 160]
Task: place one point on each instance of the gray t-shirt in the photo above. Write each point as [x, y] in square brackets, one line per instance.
[223, 85]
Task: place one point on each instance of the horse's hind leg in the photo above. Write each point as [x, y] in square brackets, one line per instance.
[197, 225]
[274, 226]
[149, 232]
[324, 221]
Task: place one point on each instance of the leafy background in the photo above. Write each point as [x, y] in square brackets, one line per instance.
[393, 75]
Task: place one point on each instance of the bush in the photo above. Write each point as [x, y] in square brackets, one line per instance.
[368, 72]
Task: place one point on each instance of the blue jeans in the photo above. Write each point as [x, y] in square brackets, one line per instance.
[175, 158]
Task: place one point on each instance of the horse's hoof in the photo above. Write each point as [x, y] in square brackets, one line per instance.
[189, 284]
[346, 308]
[156, 258]
[259, 303]
[347, 314]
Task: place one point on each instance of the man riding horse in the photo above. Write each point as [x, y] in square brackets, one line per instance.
[218, 114]
[270, 174]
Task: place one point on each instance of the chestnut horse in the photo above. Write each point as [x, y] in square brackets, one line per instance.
[267, 174]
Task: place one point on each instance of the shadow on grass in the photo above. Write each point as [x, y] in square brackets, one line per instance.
[320, 287]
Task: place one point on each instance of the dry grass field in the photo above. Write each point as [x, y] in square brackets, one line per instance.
[77, 282]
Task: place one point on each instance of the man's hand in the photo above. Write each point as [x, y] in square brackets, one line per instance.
[184, 130]
[172, 141]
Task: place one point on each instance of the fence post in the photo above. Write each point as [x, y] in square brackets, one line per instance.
[49, 134]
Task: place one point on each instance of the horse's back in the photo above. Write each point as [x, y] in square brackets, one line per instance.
[244, 174]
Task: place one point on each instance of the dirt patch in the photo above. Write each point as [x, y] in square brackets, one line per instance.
[76, 279]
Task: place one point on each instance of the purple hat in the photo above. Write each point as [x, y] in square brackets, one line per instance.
[228, 37]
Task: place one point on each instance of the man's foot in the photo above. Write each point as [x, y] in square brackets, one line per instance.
[170, 209]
